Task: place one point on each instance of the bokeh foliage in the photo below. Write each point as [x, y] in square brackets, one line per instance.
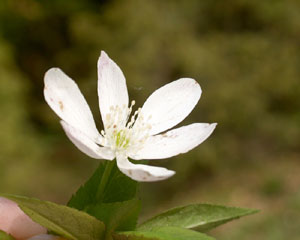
[245, 55]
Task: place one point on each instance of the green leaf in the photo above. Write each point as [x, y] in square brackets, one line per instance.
[5, 236]
[118, 216]
[202, 217]
[65, 221]
[117, 189]
[162, 233]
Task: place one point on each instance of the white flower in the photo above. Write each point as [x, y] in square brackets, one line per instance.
[16, 223]
[123, 136]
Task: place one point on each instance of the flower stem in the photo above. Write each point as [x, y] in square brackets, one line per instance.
[107, 171]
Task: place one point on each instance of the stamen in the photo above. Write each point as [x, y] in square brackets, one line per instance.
[119, 133]
[133, 118]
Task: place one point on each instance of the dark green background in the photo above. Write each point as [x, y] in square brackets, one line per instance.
[246, 57]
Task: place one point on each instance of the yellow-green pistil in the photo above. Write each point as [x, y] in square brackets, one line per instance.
[121, 139]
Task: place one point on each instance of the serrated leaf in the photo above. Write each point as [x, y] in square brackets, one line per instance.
[117, 189]
[162, 233]
[202, 217]
[118, 216]
[62, 220]
[5, 236]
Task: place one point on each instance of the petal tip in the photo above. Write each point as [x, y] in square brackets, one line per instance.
[167, 174]
[192, 84]
[53, 70]
[170, 173]
[191, 81]
[211, 127]
[197, 85]
[103, 53]
[52, 73]
[104, 58]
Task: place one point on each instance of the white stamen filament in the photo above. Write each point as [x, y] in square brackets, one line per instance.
[120, 134]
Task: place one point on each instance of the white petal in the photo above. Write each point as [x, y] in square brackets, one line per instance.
[45, 237]
[142, 173]
[64, 97]
[174, 142]
[15, 222]
[170, 104]
[112, 89]
[85, 144]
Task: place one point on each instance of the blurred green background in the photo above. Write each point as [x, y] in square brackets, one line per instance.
[244, 53]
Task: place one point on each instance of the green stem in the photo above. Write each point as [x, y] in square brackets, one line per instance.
[107, 171]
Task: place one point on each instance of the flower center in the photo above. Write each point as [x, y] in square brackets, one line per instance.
[121, 140]
[121, 134]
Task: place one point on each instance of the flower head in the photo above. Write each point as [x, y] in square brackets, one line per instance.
[126, 133]
[16, 223]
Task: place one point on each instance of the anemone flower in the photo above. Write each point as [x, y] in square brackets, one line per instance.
[141, 135]
[16, 223]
